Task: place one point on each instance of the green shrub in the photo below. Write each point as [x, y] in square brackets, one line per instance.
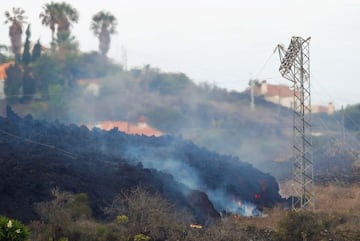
[122, 219]
[12, 230]
[141, 237]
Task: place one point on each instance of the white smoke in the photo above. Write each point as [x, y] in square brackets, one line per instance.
[187, 175]
[234, 205]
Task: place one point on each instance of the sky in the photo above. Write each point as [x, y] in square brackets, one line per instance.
[224, 42]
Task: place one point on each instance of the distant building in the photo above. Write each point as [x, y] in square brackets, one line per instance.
[284, 96]
[277, 94]
[329, 109]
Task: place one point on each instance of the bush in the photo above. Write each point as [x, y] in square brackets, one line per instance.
[144, 215]
[60, 215]
[12, 230]
[141, 237]
[299, 226]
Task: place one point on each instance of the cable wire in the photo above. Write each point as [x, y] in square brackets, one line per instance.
[64, 152]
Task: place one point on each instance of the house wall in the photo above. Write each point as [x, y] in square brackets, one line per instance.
[283, 101]
[329, 109]
[263, 88]
[2, 92]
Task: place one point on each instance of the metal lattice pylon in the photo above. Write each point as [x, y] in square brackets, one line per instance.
[295, 66]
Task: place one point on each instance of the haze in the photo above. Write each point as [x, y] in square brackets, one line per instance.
[224, 42]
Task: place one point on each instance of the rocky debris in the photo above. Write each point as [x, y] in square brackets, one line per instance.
[36, 156]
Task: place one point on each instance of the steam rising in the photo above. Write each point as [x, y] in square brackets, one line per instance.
[187, 175]
[181, 172]
[232, 205]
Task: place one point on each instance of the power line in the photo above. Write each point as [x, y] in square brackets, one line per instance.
[64, 152]
[264, 65]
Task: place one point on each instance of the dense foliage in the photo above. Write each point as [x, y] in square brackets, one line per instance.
[12, 230]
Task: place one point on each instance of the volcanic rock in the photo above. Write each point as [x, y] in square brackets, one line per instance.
[36, 156]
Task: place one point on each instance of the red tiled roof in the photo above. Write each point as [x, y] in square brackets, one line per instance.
[3, 68]
[132, 129]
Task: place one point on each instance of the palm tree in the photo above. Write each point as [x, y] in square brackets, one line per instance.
[17, 19]
[49, 18]
[59, 16]
[103, 25]
[66, 15]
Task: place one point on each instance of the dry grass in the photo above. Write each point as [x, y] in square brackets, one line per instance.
[331, 200]
[340, 204]
[337, 199]
[269, 220]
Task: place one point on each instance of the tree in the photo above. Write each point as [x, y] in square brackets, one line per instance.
[36, 52]
[26, 57]
[49, 18]
[59, 214]
[65, 16]
[17, 19]
[4, 54]
[47, 71]
[59, 16]
[28, 82]
[149, 215]
[103, 25]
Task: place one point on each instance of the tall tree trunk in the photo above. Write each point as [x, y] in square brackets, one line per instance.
[15, 33]
[53, 41]
[104, 41]
[63, 35]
